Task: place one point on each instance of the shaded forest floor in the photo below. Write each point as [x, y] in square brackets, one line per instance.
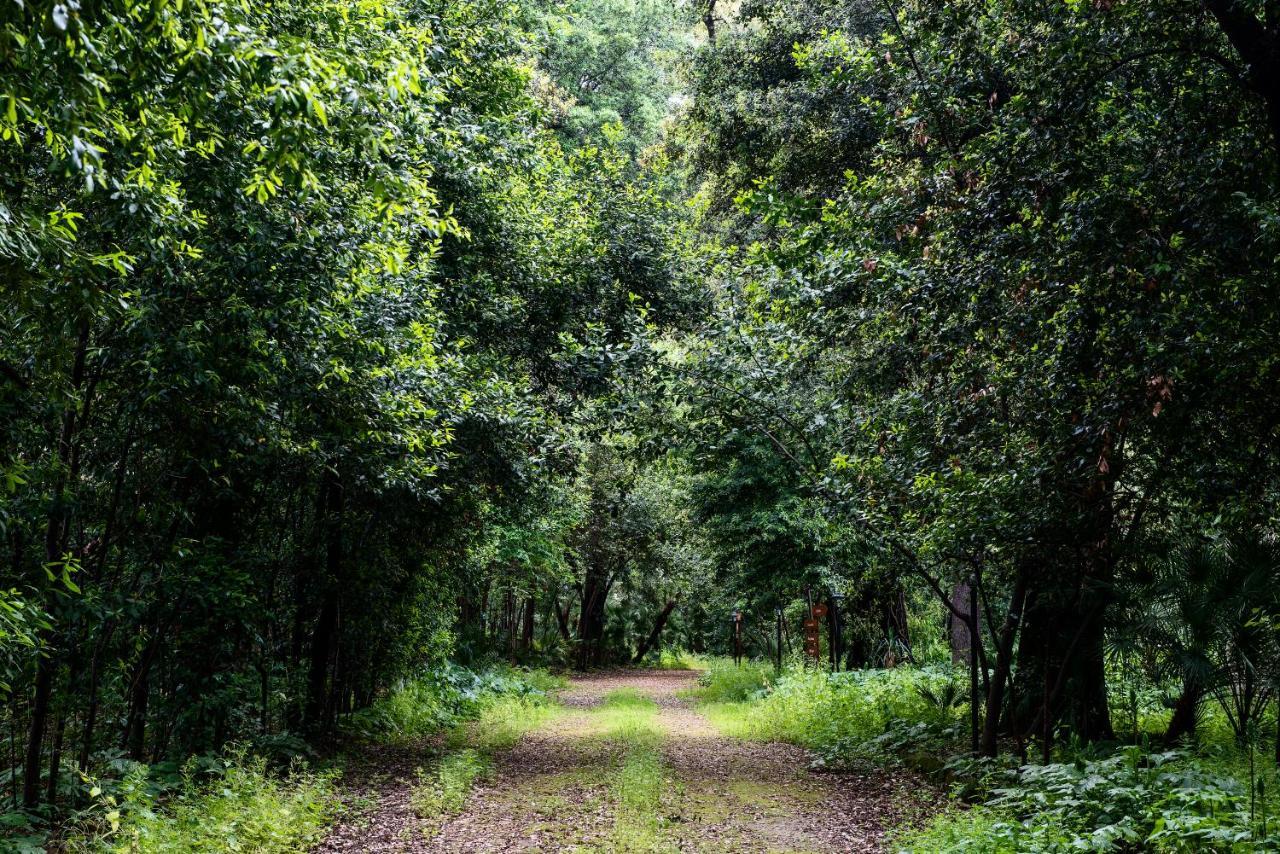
[624, 763]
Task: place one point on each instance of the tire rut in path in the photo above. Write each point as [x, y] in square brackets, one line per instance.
[551, 791]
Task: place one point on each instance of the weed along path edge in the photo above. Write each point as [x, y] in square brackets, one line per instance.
[624, 763]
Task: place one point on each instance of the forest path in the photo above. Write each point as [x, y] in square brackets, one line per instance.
[628, 764]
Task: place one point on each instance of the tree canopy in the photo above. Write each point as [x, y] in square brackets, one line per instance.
[341, 339]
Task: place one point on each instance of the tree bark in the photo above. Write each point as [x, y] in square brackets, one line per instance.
[658, 625]
[55, 756]
[958, 630]
[1258, 44]
[1004, 664]
[35, 734]
[562, 620]
[56, 531]
[526, 631]
[324, 637]
[591, 617]
[1185, 711]
[135, 730]
[91, 706]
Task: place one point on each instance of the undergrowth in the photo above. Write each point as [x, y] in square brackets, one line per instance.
[1089, 798]
[234, 805]
[442, 698]
[443, 791]
[723, 681]
[676, 659]
[838, 716]
[240, 802]
[500, 721]
[1132, 800]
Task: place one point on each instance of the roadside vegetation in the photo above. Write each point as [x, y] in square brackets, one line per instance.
[242, 801]
[359, 359]
[1137, 794]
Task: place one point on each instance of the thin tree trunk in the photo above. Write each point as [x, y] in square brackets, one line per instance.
[55, 756]
[1004, 664]
[658, 625]
[591, 618]
[526, 631]
[562, 619]
[56, 530]
[35, 734]
[324, 636]
[139, 694]
[1185, 711]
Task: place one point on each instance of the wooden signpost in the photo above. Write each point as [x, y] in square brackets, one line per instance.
[811, 636]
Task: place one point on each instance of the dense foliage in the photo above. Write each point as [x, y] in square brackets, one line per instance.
[1012, 334]
[339, 340]
[264, 416]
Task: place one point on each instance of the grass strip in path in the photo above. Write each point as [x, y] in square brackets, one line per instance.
[442, 792]
[628, 720]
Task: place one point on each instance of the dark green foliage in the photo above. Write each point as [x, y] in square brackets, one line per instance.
[336, 340]
[301, 306]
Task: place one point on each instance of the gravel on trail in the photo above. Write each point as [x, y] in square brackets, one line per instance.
[551, 791]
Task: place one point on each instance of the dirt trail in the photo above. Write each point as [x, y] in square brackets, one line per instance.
[551, 792]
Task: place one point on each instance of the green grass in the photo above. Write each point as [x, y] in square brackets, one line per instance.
[1104, 797]
[677, 659]
[443, 791]
[237, 804]
[243, 808]
[441, 698]
[503, 719]
[501, 722]
[628, 721]
[723, 681]
[838, 716]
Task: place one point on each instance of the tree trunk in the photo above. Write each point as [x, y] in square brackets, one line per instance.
[591, 618]
[895, 628]
[562, 620]
[1004, 664]
[1185, 711]
[658, 625]
[324, 637]
[526, 631]
[324, 640]
[135, 730]
[1258, 44]
[55, 756]
[958, 630]
[35, 735]
[56, 530]
[1061, 659]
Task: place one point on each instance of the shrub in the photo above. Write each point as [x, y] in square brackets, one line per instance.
[840, 716]
[442, 698]
[1130, 800]
[444, 791]
[501, 720]
[723, 681]
[236, 806]
[676, 659]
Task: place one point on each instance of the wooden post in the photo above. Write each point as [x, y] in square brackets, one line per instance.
[778, 644]
[737, 638]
